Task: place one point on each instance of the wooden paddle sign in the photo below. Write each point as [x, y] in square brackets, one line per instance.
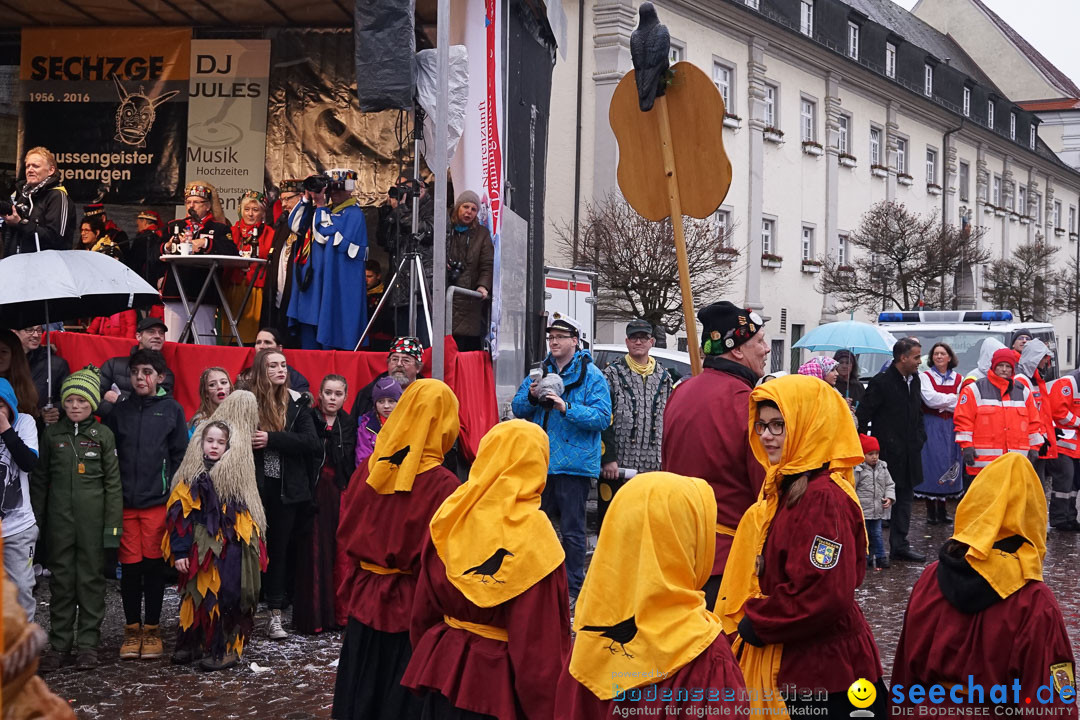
[677, 145]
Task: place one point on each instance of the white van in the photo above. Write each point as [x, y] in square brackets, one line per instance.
[962, 330]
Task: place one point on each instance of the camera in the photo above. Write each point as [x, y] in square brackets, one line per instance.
[454, 268]
[333, 180]
[404, 192]
[316, 184]
[6, 206]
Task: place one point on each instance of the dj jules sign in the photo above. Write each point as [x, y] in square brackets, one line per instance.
[112, 105]
[226, 137]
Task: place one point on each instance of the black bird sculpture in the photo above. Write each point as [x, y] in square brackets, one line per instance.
[398, 457]
[621, 633]
[650, 48]
[489, 567]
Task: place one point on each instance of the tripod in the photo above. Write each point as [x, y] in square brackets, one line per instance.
[413, 265]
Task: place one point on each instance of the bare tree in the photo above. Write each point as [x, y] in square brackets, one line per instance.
[905, 261]
[638, 272]
[1027, 283]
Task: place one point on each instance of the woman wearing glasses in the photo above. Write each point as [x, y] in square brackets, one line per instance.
[788, 592]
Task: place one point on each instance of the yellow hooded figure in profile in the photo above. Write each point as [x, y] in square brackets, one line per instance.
[788, 591]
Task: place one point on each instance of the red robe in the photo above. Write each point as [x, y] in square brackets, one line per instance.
[480, 674]
[389, 531]
[713, 677]
[1021, 637]
[706, 428]
[811, 610]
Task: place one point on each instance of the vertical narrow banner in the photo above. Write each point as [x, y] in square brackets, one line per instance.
[226, 132]
[111, 103]
[478, 162]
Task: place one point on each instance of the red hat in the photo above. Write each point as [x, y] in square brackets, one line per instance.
[869, 444]
[1004, 355]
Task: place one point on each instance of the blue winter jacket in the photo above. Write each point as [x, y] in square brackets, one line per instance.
[575, 437]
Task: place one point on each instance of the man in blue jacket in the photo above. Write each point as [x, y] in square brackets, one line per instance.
[573, 420]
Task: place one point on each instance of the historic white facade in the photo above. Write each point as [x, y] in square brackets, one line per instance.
[881, 138]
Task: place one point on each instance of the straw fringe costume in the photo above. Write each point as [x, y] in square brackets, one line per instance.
[216, 520]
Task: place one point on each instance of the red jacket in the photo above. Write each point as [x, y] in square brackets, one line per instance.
[1041, 397]
[479, 674]
[1065, 413]
[242, 237]
[706, 435]
[121, 325]
[388, 531]
[950, 633]
[996, 416]
[810, 609]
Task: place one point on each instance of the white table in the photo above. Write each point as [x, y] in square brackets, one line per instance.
[213, 264]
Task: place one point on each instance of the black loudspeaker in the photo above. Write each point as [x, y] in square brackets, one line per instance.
[385, 54]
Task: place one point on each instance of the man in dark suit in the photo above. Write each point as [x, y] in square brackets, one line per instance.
[891, 411]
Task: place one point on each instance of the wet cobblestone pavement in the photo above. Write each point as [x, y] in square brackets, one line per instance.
[298, 680]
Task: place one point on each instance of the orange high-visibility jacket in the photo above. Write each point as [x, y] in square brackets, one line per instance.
[1037, 387]
[996, 416]
[1065, 411]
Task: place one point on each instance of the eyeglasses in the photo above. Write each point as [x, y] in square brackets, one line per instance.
[33, 331]
[775, 427]
[640, 338]
[560, 338]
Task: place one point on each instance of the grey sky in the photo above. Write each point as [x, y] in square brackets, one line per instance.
[1049, 25]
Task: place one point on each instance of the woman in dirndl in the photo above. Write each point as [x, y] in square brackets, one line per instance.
[943, 477]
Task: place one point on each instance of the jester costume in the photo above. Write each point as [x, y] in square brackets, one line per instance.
[216, 520]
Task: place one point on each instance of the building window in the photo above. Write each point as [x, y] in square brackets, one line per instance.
[767, 230]
[807, 24]
[770, 105]
[675, 54]
[901, 156]
[752, 4]
[996, 196]
[1031, 137]
[807, 120]
[1036, 200]
[808, 243]
[931, 167]
[1022, 197]
[890, 60]
[841, 249]
[1072, 218]
[967, 102]
[990, 114]
[928, 80]
[721, 221]
[1057, 214]
[875, 146]
[1012, 126]
[965, 180]
[843, 123]
[723, 76]
[853, 40]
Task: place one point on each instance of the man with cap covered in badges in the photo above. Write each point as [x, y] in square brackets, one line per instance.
[205, 228]
[149, 335]
[639, 389]
[707, 421]
[114, 233]
[330, 312]
[279, 261]
[403, 363]
[571, 402]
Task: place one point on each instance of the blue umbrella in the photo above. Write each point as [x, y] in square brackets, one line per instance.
[858, 337]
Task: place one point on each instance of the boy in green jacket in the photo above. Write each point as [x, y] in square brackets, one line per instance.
[78, 502]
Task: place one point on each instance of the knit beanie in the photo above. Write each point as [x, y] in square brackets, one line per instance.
[466, 196]
[386, 387]
[869, 444]
[1004, 355]
[85, 383]
[725, 326]
[818, 367]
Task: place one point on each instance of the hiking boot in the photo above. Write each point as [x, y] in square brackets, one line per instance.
[132, 644]
[152, 647]
[273, 628]
[211, 665]
[53, 661]
[883, 563]
[86, 659]
[185, 656]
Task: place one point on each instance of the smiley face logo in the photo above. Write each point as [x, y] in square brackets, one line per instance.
[862, 693]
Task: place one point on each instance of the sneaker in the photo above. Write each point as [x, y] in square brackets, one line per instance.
[132, 645]
[86, 659]
[230, 660]
[52, 661]
[152, 647]
[273, 628]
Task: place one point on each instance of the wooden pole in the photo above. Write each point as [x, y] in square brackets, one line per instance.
[680, 242]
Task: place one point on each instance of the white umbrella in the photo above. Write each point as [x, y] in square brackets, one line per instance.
[62, 284]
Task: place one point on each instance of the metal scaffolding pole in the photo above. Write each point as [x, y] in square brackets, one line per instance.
[442, 121]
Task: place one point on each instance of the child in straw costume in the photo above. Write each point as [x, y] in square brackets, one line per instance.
[216, 529]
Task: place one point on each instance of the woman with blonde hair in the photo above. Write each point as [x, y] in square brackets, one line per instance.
[253, 238]
[214, 387]
[788, 593]
[285, 444]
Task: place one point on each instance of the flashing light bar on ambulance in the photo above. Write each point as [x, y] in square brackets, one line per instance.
[946, 316]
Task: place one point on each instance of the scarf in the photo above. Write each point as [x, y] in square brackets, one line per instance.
[492, 528]
[644, 370]
[1006, 499]
[245, 235]
[748, 376]
[819, 432]
[643, 589]
[415, 438]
